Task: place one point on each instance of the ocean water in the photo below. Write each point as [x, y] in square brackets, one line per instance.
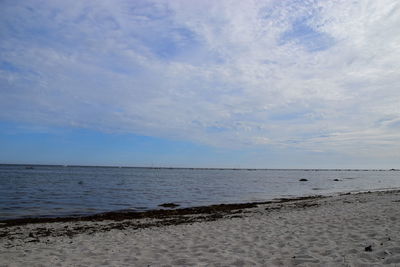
[48, 191]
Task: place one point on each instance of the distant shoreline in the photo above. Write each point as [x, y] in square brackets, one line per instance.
[187, 168]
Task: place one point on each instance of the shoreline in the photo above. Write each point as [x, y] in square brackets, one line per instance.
[350, 229]
[119, 215]
[152, 214]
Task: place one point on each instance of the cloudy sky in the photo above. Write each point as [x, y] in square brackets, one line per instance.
[274, 84]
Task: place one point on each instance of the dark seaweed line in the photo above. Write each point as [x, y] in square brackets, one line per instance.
[153, 214]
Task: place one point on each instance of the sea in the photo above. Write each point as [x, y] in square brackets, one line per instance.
[53, 191]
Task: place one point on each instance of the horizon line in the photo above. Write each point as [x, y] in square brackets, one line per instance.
[193, 168]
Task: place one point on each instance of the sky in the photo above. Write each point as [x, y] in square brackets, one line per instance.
[188, 83]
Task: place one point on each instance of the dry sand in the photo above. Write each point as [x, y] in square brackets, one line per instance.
[347, 230]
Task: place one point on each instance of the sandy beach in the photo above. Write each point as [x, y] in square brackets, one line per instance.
[360, 229]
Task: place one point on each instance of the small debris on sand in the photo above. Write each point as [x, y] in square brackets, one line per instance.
[369, 248]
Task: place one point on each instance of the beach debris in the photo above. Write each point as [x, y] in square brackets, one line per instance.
[369, 248]
[216, 216]
[169, 205]
[303, 180]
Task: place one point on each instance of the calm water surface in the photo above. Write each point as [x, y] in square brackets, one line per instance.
[61, 191]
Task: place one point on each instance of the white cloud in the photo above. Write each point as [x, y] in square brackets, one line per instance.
[314, 75]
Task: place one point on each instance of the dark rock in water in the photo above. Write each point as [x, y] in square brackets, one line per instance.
[303, 180]
[336, 180]
[369, 248]
[169, 205]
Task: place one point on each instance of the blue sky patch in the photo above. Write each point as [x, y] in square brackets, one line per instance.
[302, 34]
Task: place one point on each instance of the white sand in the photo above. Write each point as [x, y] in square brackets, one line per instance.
[333, 233]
